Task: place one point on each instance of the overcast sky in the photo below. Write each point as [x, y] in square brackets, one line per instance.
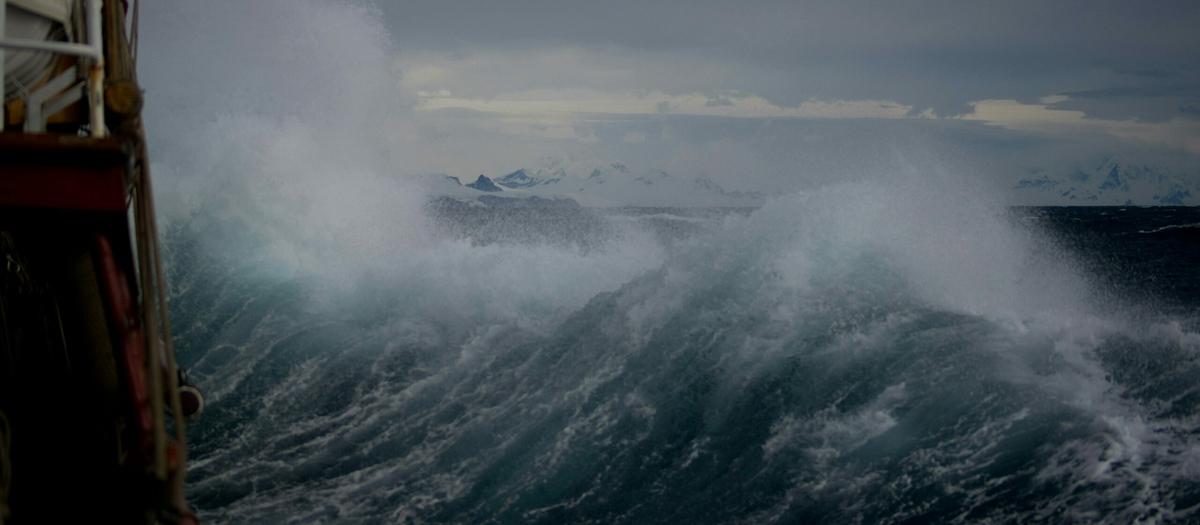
[922, 55]
[1126, 73]
[749, 93]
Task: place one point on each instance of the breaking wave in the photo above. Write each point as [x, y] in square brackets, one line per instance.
[852, 354]
[891, 351]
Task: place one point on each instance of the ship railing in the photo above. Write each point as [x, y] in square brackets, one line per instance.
[60, 91]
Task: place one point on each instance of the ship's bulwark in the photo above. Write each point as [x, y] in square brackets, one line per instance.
[815, 361]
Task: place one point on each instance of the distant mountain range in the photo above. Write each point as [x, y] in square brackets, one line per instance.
[522, 179]
[1110, 181]
[610, 185]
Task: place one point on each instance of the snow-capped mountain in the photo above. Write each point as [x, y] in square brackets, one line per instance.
[523, 179]
[602, 186]
[1108, 182]
[484, 184]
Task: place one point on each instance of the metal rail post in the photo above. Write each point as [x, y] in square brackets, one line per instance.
[3, 59]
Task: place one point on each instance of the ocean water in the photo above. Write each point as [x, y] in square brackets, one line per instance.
[856, 354]
[901, 349]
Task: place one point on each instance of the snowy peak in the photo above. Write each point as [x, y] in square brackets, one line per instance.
[1109, 182]
[1114, 180]
[517, 179]
[604, 173]
[484, 184]
[610, 185]
[522, 179]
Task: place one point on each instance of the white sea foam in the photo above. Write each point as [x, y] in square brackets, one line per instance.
[1191, 226]
[288, 127]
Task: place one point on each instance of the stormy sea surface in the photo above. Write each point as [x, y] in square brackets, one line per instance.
[842, 356]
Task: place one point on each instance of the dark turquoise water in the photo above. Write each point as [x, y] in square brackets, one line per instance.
[802, 363]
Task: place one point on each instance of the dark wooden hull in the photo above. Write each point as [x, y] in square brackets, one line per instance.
[84, 436]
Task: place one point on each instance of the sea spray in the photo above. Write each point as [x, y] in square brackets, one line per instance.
[790, 365]
[892, 350]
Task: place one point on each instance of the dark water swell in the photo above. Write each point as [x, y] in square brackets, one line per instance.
[765, 371]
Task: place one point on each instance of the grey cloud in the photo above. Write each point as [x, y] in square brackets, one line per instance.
[1171, 90]
[1155, 73]
[1145, 95]
[934, 53]
[1156, 108]
[780, 155]
[202, 64]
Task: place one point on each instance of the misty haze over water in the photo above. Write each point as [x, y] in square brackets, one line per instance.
[734, 305]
